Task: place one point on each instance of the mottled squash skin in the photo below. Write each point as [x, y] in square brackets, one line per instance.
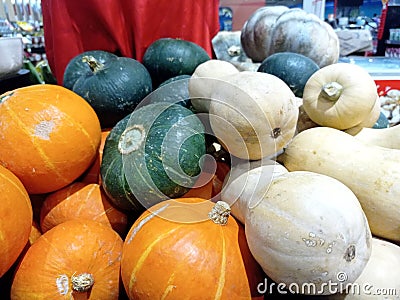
[256, 32]
[298, 31]
[152, 155]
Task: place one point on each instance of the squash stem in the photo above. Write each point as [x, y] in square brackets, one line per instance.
[332, 90]
[220, 213]
[93, 63]
[131, 139]
[82, 282]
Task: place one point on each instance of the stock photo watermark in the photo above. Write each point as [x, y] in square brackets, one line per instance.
[330, 287]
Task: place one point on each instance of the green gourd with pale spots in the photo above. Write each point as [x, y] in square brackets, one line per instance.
[151, 155]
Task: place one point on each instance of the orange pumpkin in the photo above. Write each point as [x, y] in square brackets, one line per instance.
[84, 201]
[209, 184]
[175, 250]
[92, 174]
[78, 259]
[16, 218]
[49, 136]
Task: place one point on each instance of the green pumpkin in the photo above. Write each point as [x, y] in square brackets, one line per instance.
[113, 87]
[152, 155]
[77, 68]
[293, 68]
[174, 90]
[167, 57]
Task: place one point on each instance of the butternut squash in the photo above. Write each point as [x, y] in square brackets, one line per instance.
[384, 137]
[380, 277]
[241, 181]
[305, 228]
[340, 95]
[371, 172]
[253, 114]
[369, 120]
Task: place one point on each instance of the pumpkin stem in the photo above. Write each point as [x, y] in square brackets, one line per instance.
[82, 282]
[93, 63]
[332, 90]
[131, 139]
[220, 213]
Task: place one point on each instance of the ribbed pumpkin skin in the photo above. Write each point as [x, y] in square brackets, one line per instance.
[49, 136]
[180, 254]
[84, 201]
[172, 138]
[71, 248]
[168, 57]
[77, 68]
[16, 217]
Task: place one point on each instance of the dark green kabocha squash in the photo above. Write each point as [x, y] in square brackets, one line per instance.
[151, 155]
[77, 68]
[174, 90]
[168, 57]
[112, 85]
[293, 68]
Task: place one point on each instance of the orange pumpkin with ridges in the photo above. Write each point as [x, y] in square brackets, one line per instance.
[175, 250]
[49, 136]
[84, 201]
[16, 218]
[78, 259]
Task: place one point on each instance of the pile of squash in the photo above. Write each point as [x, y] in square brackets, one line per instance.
[183, 177]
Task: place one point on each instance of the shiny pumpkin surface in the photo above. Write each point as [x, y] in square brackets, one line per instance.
[175, 252]
[16, 219]
[72, 248]
[49, 136]
[81, 200]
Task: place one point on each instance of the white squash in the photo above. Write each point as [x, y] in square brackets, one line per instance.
[384, 137]
[203, 79]
[340, 96]
[380, 277]
[243, 179]
[307, 228]
[253, 114]
[371, 172]
[369, 120]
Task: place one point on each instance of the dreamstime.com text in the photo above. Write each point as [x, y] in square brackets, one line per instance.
[329, 287]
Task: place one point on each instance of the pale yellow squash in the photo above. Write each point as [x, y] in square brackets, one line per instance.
[203, 79]
[340, 95]
[380, 278]
[371, 172]
[384, 137]
[307, 228]
[369, 121]
[243, 179]
[253, 114]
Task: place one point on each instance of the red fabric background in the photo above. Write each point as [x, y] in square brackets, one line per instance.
[124, 27]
